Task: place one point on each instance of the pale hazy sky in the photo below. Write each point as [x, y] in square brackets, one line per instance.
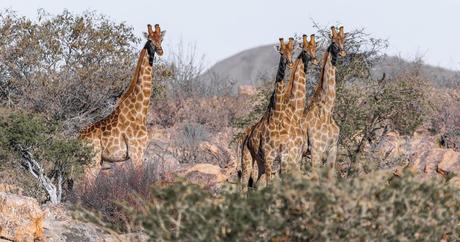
[222, 28]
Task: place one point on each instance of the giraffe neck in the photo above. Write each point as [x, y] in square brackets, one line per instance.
[325, 89]
[276, 100]
[296, 91]
[136, 100]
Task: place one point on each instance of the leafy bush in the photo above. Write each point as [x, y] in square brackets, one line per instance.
[368, 208]
[52, 159]
[365, 111]
[75, 64]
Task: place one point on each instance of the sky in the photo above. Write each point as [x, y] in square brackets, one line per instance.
[219, 29]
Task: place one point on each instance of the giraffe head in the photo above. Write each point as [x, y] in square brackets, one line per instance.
[310, 48]
[155, 37]
[286, 50]
[338, 39]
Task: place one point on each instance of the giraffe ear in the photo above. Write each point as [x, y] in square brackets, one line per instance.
[163, 33]
[145, 35]
[277, 48]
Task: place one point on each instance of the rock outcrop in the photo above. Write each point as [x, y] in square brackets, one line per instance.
[421, 154]
[60, 226]
[21, 218]
[247, 90]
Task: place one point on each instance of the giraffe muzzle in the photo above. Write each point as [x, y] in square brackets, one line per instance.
[159, 51]
[315, 61]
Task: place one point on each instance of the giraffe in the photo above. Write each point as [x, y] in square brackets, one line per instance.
[271, 139]
[251, 153]
[123, 134]
[320, 127]
[295, 105]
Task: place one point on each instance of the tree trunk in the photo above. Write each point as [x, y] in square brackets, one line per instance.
[55, 194]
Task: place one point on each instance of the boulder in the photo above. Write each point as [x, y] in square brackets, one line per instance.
[247, 90]
[60, 226]
[204, 174]
[424, 156]
[21, 218]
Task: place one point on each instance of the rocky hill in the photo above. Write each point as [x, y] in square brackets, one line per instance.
[251, 65]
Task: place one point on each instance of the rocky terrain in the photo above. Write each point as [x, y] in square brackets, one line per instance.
[190, 140]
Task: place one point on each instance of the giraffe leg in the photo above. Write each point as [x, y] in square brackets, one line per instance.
[246, 165]
[136, 148]
[331, 157]
[315, 160]
[269, 159]
[292, 162]
[259, 175]
[93, 169]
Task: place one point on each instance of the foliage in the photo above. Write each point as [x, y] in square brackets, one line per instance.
[32, 137]
[73, 63]
[368, 208]
[364, 112]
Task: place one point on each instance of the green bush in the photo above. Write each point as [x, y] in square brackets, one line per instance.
[368, 208]
[367, 110]
[30, 137]
[66, 66]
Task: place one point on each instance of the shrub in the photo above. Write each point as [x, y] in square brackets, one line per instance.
[52, 159]
[188, 142]
[368, 208]
[75, 64]
[366, 111]
[115, 190]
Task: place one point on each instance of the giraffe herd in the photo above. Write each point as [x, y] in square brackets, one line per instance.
[290, 128]
[287, 130]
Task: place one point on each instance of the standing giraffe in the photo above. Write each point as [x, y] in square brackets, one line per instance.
[295, 106]
[252, 154]
[272, 141]
[123, 134]
[322, 131]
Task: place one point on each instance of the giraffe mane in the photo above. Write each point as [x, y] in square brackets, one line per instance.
[134, 79]
[319, 86]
